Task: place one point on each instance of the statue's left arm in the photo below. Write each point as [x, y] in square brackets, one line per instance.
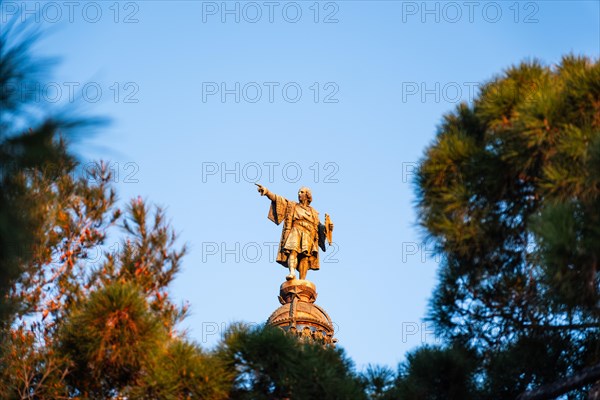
[328, 228]
[325, 230]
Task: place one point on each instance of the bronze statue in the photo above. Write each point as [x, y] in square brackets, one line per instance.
[302, 233]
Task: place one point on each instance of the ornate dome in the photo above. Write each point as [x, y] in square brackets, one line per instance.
[299, 315]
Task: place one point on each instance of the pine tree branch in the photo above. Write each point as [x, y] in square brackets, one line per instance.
[551, 391]
[563, 327]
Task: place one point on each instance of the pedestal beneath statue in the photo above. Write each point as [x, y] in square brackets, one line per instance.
[299, 315]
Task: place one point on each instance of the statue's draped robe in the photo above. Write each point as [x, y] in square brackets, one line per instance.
[301, 229]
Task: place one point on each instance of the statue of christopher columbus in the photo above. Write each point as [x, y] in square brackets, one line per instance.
[302, 233]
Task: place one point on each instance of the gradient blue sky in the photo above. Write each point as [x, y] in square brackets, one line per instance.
[378, 58]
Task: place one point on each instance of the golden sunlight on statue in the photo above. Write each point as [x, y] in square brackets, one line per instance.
[302, 233]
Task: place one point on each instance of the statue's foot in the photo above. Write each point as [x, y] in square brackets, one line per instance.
[290, 277]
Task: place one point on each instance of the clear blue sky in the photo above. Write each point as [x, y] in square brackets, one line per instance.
[375, 79]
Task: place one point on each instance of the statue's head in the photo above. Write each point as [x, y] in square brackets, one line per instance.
[303, 193]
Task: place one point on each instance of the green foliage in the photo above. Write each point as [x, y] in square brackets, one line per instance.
[377, 381]
[109, 338]
[433, 373]
[29, 370]
[182, 371]
[534, 359]
[273, 365]
[147, 258]
[510, 193]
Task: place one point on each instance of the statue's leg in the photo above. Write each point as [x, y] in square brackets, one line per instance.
[292, 264]
[303, 267]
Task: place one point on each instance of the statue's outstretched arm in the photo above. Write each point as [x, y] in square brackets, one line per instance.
[265, 192]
